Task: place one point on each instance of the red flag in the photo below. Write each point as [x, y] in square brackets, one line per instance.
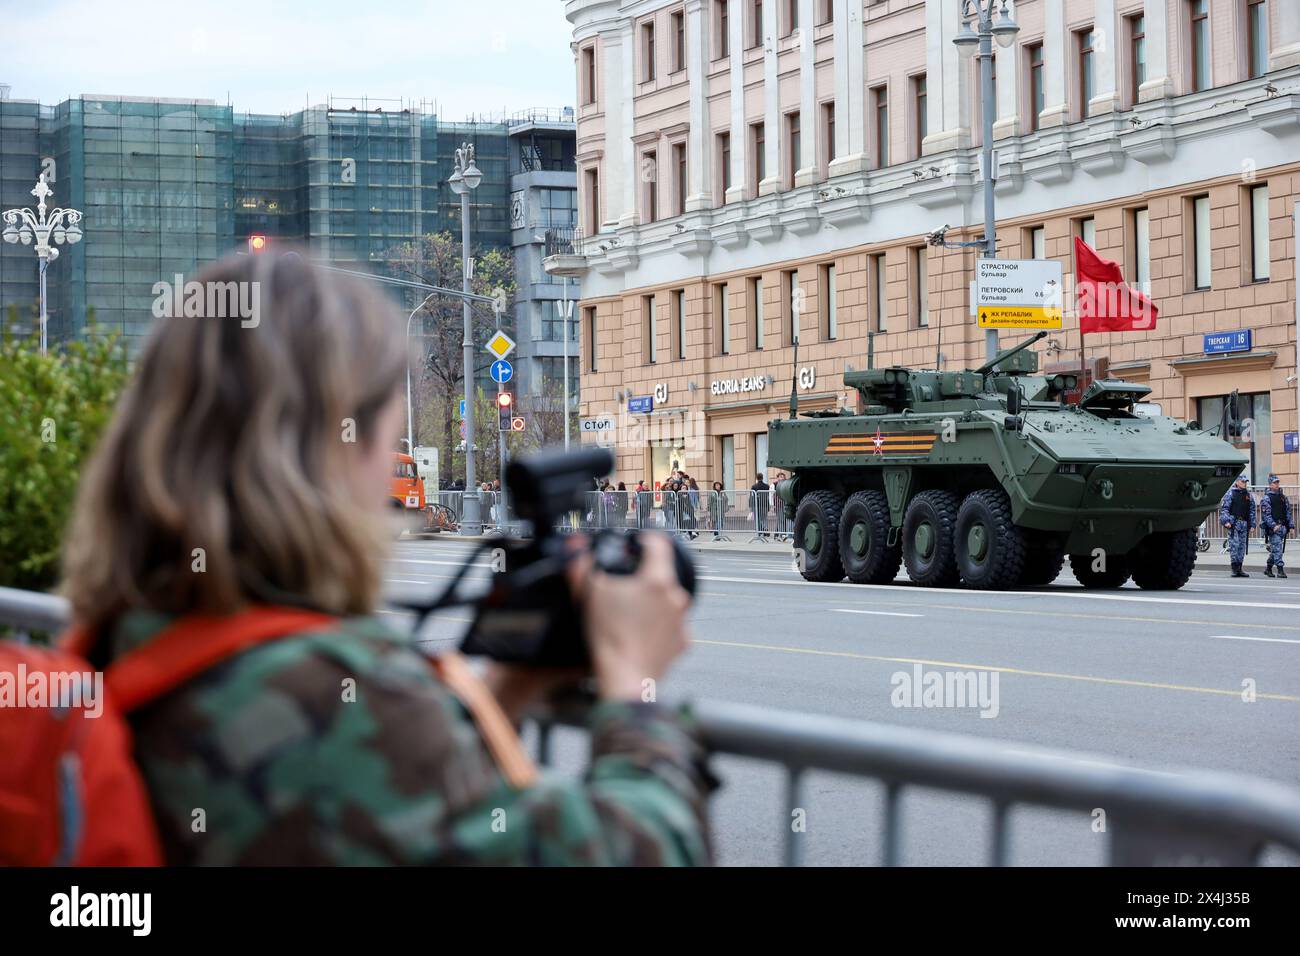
[1106, 303]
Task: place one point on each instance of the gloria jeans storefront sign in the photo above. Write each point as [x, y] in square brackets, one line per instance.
[736, 386]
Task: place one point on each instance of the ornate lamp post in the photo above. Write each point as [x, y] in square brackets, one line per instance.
[464, 180]
[1003, 30]
[23, 225]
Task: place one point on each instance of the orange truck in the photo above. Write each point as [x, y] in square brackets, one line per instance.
[406, 491]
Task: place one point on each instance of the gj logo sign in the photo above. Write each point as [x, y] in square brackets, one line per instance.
[661, 392]
[807, 377]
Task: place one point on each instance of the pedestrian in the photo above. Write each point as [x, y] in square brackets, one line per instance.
[621, 504]
[288, 770]
[644, 504]
[1276, 520]
[1237, 513]
[718, 505]
[758, 493]
[686, 505]
[671, 513]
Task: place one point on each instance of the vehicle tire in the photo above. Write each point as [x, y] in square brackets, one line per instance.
[1164, 561]
[817, 535]
[1116, 573]
[990, 548]
[864, 534]
[928, 545]
[1043, 560]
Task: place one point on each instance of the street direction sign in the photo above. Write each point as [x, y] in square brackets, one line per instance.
[502, 371]
[500, 344]
[1019, 293]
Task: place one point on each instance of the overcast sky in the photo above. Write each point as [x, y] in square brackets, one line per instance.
[275, 56]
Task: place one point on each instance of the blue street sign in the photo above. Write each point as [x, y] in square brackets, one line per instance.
[1217, 342]
[1290, 442]
[641, 404]
[462, 409]
[502, 371]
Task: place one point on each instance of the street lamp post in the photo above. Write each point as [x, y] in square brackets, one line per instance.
[464, 180]
[23, 225]
[566, 313]
[1003, 30]
[410, 437]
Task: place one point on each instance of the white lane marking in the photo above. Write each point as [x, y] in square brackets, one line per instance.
[1088, 763]
[1049, 592]
[846, 610]
[454, 564]
[411, 580]
[1238, 637]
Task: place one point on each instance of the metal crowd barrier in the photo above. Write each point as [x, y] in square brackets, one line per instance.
[738, 514]
[1198, 817]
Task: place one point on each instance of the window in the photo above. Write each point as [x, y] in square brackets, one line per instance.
[588, 75]
[1038, 243]
[1201, 242]
[793, 304]
[589, 320]
[758, 145]
[880, 301]
[825, 11]
[681, 184]
[829, 307]
[1257, 407]
[1088, 231]
[921, 299]
[1085, 70]
[559, 208]
[793, 150]
[679, 323]
[723, 315]
[650, 173]
[880, 102]
[791, 17]
[648, 52]
[724, 163]
[1137, 56]
[679, 41]
[1259, 261]
[755, 23]
[1200, 43]
[648, 329]
[1142, 248]
[920, 115]
[593, 201]
[1256, 38]
[724, 27]
[1036, 102]
[729, 463]
[828, 131]
[756, 309]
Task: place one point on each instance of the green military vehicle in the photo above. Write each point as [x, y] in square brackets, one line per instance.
[987, 478]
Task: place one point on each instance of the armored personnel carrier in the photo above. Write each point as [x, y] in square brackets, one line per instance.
[986, 478]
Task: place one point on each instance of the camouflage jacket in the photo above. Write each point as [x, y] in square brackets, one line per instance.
[264, 759]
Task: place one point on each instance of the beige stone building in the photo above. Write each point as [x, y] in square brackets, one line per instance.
[757, 172]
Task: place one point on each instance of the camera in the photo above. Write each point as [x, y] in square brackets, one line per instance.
[529, 614]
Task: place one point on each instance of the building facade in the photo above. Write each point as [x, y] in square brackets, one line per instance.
[756, 173]
[166, 185]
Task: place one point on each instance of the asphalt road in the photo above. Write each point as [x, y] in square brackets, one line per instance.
[1147, 679]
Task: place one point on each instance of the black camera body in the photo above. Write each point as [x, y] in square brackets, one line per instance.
[530, 615]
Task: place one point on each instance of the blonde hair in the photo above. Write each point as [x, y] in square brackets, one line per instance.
[240, 438]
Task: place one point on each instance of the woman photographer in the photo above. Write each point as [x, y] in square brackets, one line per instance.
[247, 468]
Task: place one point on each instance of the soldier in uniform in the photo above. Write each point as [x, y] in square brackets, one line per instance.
[340, 743]
[1276, 521]
[1237, 513]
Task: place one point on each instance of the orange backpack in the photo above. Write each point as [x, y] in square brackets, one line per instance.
[70, 791]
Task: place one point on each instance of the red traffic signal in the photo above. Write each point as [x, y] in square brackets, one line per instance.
[504, 399]
[256, 243]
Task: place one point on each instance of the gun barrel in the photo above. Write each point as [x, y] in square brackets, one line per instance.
[1004, 355]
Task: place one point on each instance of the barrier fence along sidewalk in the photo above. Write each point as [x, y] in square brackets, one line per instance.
[1195, 817]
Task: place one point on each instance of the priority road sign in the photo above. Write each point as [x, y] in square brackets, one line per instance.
[500, 344]
[502, 371]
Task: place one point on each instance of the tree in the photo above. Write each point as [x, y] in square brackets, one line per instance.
[438, 330]
[53, 409]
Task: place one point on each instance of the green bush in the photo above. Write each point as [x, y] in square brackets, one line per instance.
[52, 410]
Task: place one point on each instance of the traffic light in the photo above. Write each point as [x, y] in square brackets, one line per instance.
[505, 404]
[517, 423]
[256, 243]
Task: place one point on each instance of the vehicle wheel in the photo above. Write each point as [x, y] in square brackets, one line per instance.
[928, 547]
[1043, 560]
[817, 534]
[864, 532]
[1115, 574]
[1164, 562]
[990, 548]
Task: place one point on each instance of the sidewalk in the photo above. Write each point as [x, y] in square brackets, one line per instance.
[741, 544]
